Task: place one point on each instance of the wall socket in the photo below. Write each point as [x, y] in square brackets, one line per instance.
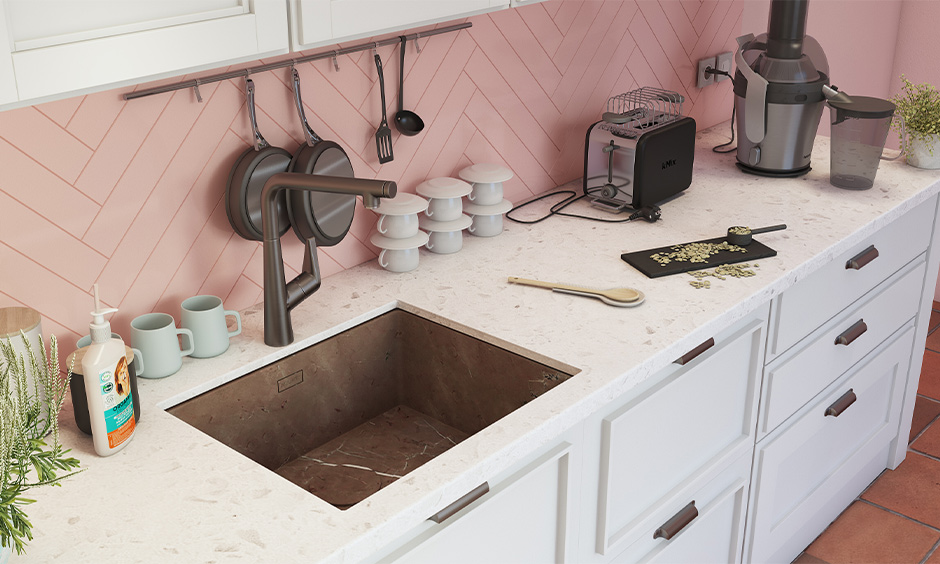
[703, 64]
[721, 61]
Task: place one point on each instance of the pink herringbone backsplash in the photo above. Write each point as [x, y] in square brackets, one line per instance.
[130, 194]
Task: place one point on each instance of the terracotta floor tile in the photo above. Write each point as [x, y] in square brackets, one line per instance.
[929, 442]
[925, 411]
[930, 375]
[933, 341]
[864, 533]
[934, 320]
[913, 489]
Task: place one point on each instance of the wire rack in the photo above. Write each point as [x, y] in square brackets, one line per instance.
[636, 111]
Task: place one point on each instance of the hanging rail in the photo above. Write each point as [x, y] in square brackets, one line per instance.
[196, 83]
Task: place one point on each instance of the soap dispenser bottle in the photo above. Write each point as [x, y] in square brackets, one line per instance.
[107, 386]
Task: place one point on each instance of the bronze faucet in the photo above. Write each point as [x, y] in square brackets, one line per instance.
[281, 297]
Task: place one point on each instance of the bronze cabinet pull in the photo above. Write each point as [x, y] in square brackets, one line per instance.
[862, 258]
[690, 356]
[841, 404]
[464, 501]
[852, 333]
[677, 522]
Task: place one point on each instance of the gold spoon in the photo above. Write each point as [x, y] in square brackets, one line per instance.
[621, 297]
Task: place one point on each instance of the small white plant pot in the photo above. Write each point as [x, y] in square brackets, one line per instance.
[919, 152]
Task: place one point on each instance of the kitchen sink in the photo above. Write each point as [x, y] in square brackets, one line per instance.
[348, 416]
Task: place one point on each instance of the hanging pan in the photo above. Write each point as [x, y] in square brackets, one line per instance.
[252, 169]
[319, 215]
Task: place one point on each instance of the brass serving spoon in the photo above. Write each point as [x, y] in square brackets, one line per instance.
[621, 297]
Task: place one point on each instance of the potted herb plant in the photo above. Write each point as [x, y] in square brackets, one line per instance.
[918, 105]
[30, 453]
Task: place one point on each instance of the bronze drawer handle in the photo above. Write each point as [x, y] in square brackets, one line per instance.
[862, 258]
[852, 333]
[841, 404]
[464, 501]
[678, 522]
[690, 356]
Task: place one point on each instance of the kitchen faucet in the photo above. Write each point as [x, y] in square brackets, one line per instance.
[281, 297]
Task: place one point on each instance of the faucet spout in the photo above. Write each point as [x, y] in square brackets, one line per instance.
[280, 297]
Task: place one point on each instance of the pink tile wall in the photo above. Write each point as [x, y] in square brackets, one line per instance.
[130, 194]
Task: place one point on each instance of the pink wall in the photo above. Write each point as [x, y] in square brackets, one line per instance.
[129, 194]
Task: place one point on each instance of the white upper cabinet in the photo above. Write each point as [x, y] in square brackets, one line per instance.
[52, 48]
[320, 22]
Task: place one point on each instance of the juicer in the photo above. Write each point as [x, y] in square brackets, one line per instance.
[778, 95]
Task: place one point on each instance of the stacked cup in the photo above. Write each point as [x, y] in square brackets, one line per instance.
[486, 205]
[444, 219]
[397, 233]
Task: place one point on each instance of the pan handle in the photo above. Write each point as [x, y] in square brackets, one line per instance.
[260, 142]
[311, 137]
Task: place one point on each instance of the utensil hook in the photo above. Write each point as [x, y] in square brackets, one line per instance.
[335, 61]
[196, 91]
[311, 137]
[259, 141]
[417, 45]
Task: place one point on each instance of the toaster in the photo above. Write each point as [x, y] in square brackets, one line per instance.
[641, 153]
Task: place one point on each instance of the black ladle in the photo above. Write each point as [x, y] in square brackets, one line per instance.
[741, 236]
[407, 122]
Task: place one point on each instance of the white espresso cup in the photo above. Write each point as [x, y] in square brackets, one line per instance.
[156, 337]
[205, 318]
[398, 226]
[486, 193]
[444, 209]
[399, 260]
[445, 242]
[486, 225]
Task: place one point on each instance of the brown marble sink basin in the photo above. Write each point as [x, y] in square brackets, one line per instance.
[347, 416]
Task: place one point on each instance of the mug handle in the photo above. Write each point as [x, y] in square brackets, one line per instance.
[378, 225]
[238, 319]
[382, 262]
[470, 195]
[429, 245]
[139, 357]
[471, 228]
[189, 335]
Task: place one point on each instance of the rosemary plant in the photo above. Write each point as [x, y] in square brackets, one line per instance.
[28, 419]
[919, 106]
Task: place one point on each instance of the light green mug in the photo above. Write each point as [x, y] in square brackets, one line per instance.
[205, 317]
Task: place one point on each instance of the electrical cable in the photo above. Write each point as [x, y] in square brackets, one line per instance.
[646, 213]
[716, 148]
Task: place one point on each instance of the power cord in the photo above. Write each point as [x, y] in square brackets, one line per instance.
[719, 148]
[646, 213]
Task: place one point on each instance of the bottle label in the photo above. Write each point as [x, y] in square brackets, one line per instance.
[118, 403]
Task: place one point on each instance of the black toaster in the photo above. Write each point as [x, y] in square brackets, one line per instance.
[637, 163]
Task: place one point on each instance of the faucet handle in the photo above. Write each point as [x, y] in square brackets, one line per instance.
[308, 281]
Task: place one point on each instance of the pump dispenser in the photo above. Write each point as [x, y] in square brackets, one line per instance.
[107, 385]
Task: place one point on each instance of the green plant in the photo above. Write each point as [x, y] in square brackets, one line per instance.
[27, 418]
[919, 107]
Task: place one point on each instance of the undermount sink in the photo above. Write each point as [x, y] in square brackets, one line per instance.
[348, 416]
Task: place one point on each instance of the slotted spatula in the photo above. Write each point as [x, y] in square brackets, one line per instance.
[383, 137]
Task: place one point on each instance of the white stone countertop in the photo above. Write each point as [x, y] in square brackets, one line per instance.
[176, 495]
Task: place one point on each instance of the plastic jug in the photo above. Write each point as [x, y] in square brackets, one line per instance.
[859, 128]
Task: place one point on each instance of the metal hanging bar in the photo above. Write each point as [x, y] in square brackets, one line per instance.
[289, 62]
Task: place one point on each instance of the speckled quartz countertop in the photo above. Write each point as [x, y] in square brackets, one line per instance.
[176, 495]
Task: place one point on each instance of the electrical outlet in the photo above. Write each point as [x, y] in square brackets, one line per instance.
[704, 81]
[724, 64]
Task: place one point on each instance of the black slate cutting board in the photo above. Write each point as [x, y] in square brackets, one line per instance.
[641, 259]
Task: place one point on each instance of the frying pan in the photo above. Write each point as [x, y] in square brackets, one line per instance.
[319, 215]
[247, 178]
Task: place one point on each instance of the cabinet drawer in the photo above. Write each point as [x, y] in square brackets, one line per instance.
[525, 516]
[653, 446]
[795, 377]
[807, 472]
[807, 305]
[714, 534]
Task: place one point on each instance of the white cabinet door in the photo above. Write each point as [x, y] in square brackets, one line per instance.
[528, 516]
[318, 22]
[58, 48]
